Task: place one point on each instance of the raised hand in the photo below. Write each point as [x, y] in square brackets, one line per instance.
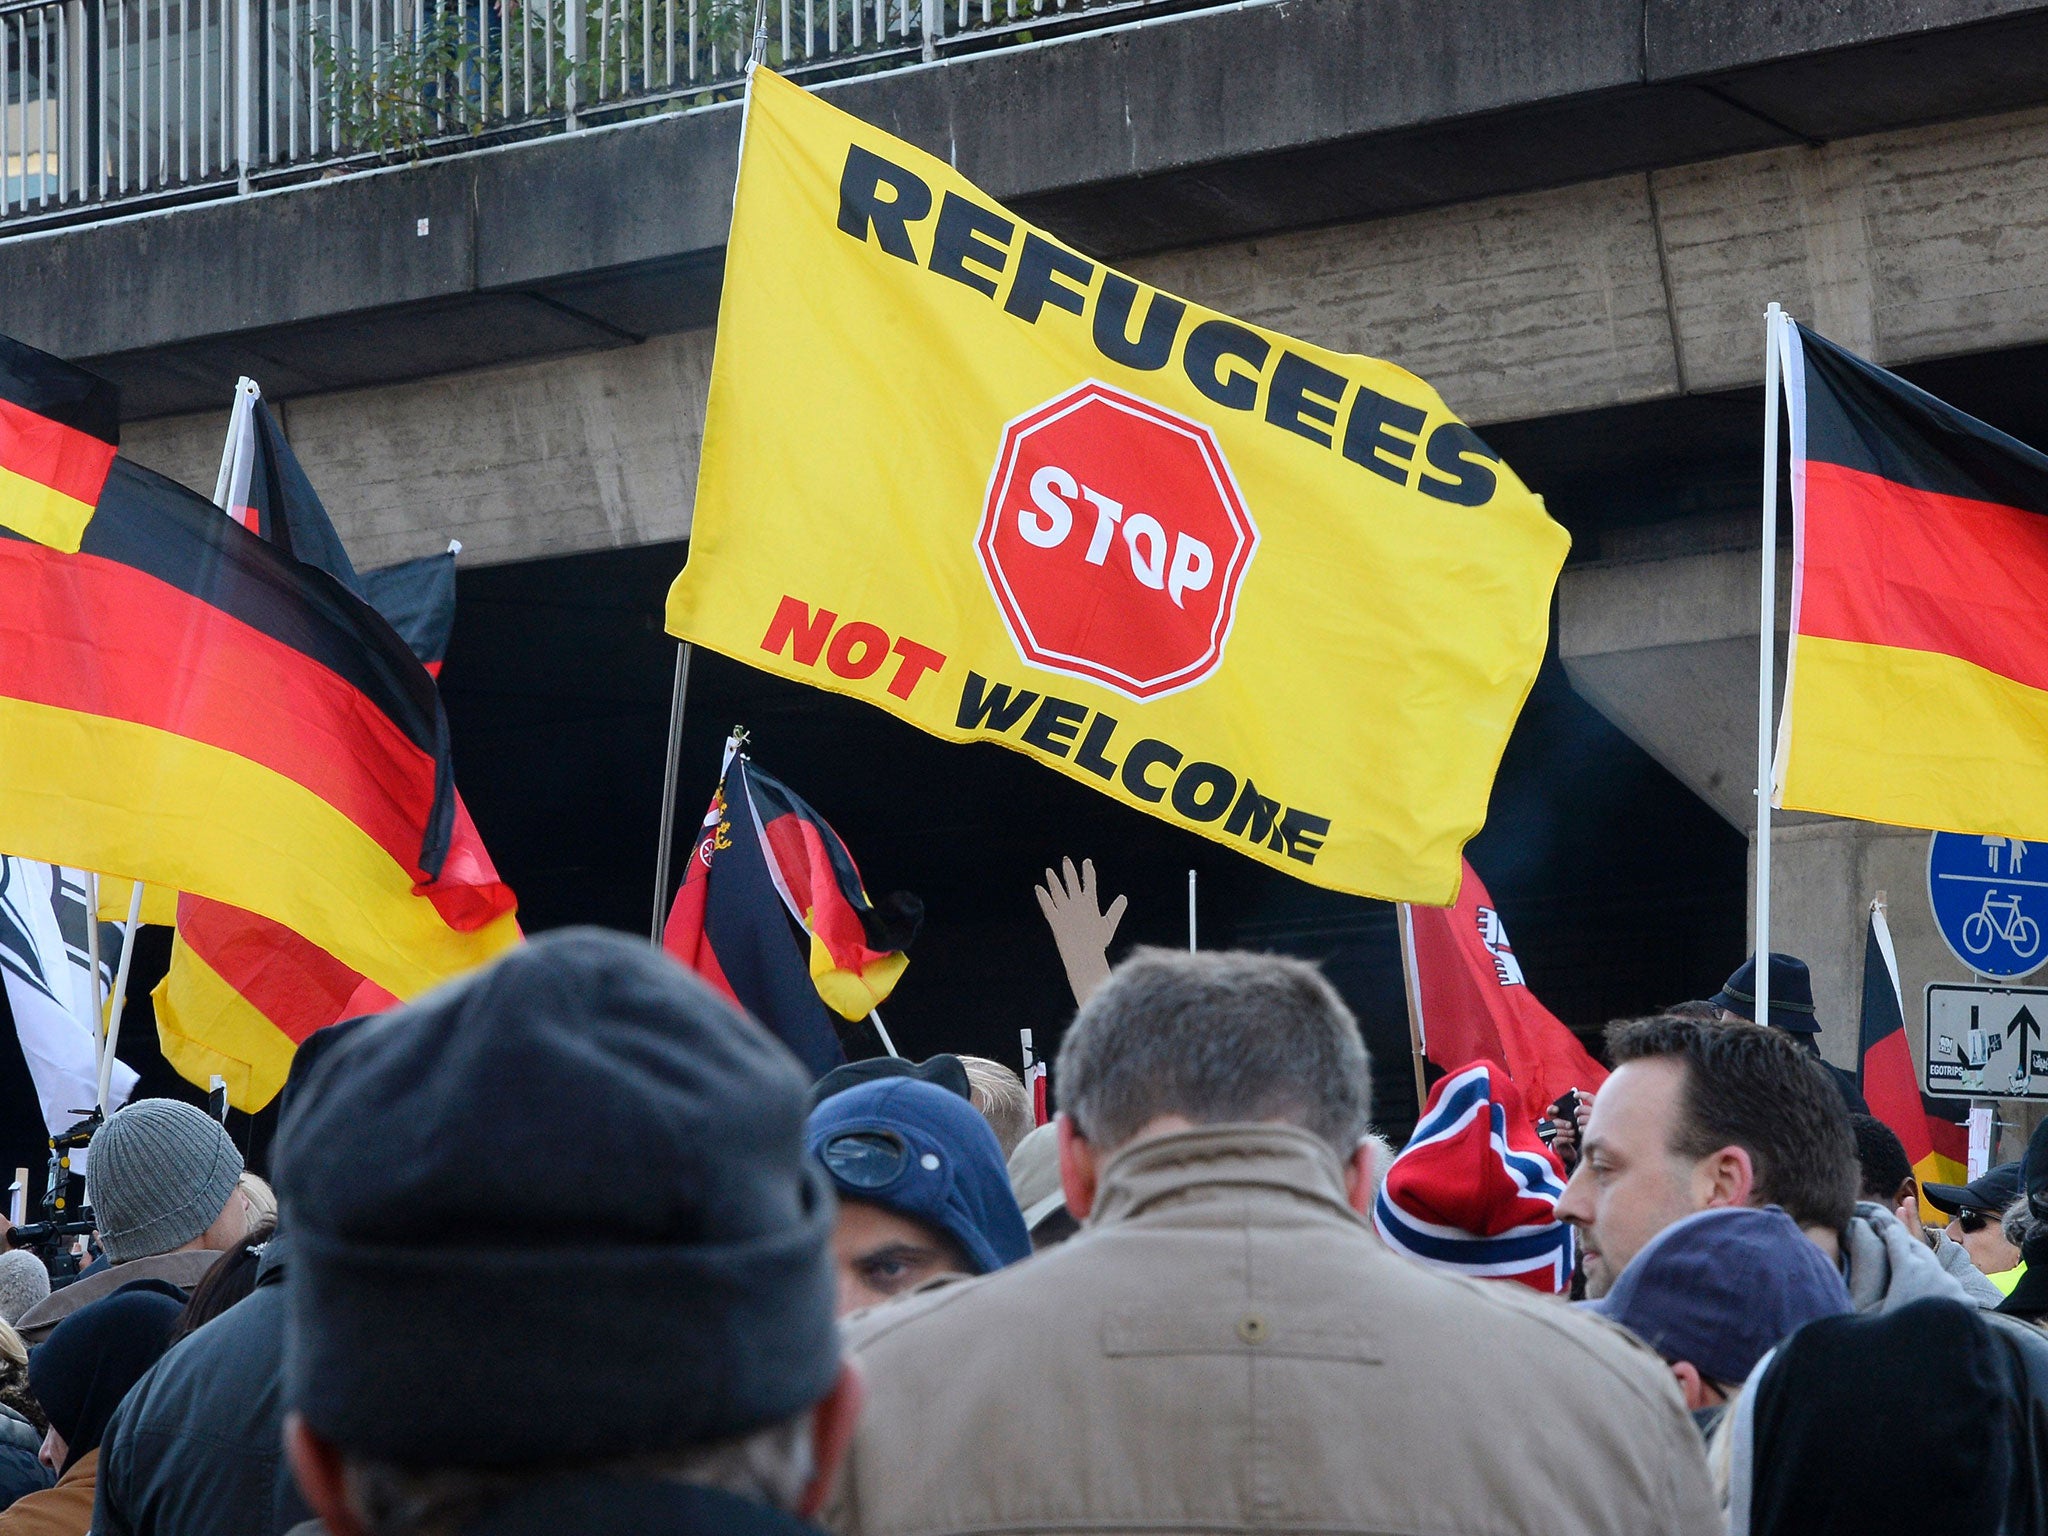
[1080, 927]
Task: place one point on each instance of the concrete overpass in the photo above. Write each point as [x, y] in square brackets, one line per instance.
[1567, 217]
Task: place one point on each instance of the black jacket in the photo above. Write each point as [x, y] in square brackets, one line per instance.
[605, 1506]
[197, 1448]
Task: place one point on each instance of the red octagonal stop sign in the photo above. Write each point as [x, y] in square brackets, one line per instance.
[1115, 540]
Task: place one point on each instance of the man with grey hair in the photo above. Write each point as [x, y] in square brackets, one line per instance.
[475, 1345]
[1226, 1346]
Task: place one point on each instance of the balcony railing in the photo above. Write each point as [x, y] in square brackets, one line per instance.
[113, 105]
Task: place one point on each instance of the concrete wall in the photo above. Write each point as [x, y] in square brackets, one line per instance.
[579, 453]
[1905, 246]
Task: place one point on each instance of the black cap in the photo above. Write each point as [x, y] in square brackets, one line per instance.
[1791, 995]
[942, 1071]
[1988, 1194]
[557, 1210]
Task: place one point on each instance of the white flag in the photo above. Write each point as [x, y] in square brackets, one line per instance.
[44, 954]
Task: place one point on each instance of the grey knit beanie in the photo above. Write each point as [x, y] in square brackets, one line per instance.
[159, 1173]
[23, 1283]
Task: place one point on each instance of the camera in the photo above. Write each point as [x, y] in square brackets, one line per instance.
[64, 1217]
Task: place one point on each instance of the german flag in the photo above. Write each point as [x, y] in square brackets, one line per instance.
[243, 991]
[183, 703]
[417, 598]
[1917, 684]
[58, 429]
[765, 868]
[1936, 1144]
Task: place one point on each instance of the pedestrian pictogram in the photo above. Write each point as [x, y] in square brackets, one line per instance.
[1990, 898]
[1115, 539]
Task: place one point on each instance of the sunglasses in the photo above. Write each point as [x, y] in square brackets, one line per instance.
[1973, 1221]
[865, 1159]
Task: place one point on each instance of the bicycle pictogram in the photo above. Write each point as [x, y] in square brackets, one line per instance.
[2001, 919]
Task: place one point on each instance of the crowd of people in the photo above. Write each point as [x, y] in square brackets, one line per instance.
[571, 1245]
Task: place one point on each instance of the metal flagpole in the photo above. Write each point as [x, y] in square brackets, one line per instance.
[1767, 639]
[1191, 911]
[92, 965]
[120, 996]
[1413, 987]
[678, 694]
[875, 1018]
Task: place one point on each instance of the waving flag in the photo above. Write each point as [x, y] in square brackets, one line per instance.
[1936, 1144]
[1472, 1003]
[47, 960]
[58, 429]
[243, 990]
[765, 861]
[183, 703]
[1916, 689]
[1278, 596]
[417, 597]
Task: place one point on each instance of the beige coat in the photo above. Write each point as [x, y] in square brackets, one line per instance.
[1227, 1347]
[184, 1269]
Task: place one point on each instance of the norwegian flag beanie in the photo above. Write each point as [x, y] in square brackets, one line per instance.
[1475, 1191]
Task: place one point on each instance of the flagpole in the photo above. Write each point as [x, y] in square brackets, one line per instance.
[678, 695]
[1413, 987]
[120, 996]
[875, 1018]
[92, 964]
[1191, 911]
[1767, 639]
[231, 466]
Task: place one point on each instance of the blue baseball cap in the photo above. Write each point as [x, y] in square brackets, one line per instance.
[1723, 1288]
[914, 1149]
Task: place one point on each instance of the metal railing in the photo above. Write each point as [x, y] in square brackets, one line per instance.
[110, 105]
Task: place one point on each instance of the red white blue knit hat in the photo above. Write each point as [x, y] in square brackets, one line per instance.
[1475, 1191]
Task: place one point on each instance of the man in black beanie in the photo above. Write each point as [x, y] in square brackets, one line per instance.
[560, 1263]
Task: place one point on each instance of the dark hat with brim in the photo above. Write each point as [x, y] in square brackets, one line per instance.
[1791, 995]
[1988, 1194]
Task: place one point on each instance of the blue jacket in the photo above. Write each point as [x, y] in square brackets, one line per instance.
[21, 1471]
[197, 1448]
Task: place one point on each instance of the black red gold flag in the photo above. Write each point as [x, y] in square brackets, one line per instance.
[59, 426]
[765, 867]
[184, 703]
[1917, 680]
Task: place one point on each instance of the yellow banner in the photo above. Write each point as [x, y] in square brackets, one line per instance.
[1275, 595]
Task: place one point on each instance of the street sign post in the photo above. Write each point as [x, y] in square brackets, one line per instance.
[1990, 900]
[1986, 1042]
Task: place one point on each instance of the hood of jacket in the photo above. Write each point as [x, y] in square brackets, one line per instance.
[1886, 1267]
[15, 1430]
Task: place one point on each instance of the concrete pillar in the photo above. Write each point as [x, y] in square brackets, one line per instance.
[1663, 642]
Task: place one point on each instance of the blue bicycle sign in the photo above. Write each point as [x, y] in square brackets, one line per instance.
[1990, 897]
